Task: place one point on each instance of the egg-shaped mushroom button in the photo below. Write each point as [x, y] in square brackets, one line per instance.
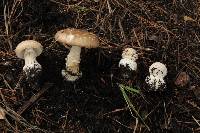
[127, 64]
[155, 80]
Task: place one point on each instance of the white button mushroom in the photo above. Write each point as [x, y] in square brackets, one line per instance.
[29, 50]
[128, 61]
[76, 38]
[156, 78]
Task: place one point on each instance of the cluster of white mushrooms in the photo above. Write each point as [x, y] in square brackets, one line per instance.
[157, 71]
[76, 38]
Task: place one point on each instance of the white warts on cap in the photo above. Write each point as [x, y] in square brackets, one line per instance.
[130, 53]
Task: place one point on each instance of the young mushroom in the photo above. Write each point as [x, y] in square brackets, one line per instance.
[76, 38]
[29, 50]
[156, 78]
[128, 63]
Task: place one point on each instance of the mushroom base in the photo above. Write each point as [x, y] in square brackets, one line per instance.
[127, 73]
[73, 68]
[70, 76]
[155, 83]
[33, 70]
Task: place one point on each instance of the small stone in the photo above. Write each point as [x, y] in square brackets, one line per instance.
[182, 79]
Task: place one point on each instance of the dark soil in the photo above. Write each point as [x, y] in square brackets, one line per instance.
[164, 31]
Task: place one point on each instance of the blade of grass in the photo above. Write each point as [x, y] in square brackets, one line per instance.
[125, 97]
[130, 89]
[130, 105]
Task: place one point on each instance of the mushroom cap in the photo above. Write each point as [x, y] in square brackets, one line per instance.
[130, 53]
[158, 69]
[27, 44]
[77, 37]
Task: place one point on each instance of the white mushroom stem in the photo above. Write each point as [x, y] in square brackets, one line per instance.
[72, 64]
[30, 60]
[73, 60]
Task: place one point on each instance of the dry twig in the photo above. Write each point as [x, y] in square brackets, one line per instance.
[34, 98]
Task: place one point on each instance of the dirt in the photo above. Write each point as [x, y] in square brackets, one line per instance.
[164, 31]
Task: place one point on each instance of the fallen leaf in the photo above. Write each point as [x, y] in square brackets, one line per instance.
[187, 18]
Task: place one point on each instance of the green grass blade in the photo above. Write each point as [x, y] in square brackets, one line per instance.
[130, 105]
[130, 89]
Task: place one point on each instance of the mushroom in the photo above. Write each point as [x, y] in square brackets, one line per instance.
[29, 50]
[76, 38]
[156, 78]
[128, 62]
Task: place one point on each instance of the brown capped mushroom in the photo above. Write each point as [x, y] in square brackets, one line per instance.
[29, 50]
[76, 38]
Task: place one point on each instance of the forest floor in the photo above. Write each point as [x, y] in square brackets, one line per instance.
[164, 31]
